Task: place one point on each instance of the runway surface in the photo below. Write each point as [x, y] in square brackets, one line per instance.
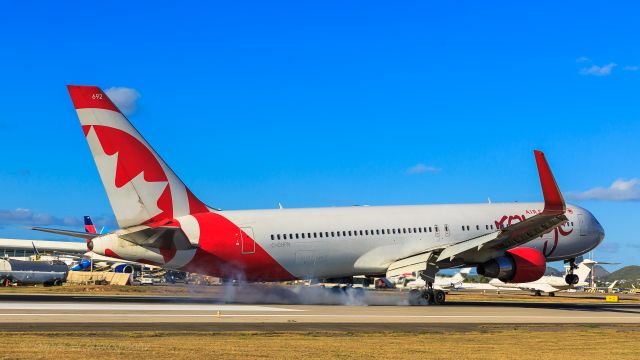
[45, 311]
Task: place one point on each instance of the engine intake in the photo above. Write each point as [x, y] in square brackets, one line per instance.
[518, 265]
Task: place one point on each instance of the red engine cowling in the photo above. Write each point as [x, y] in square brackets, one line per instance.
[517, 266]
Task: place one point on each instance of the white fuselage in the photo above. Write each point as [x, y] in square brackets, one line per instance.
[362, 240]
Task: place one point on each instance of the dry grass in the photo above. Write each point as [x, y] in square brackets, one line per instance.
[501, 342]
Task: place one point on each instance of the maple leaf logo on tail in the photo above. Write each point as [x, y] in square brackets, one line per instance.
[142, 189]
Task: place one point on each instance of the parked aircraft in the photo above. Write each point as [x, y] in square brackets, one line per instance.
[551, 284]
[163, 223]
[441, 282]
[52, 272]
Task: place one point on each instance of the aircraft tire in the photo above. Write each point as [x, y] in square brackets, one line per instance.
[439, 297]
[414, 297]
[552, 294]
[571, 279]
[428, 296]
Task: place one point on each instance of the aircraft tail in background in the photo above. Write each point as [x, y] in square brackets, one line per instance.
[88, 225]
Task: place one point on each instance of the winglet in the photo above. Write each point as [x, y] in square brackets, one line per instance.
[553, 201]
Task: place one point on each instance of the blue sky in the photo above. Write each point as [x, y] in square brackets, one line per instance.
[330, 103]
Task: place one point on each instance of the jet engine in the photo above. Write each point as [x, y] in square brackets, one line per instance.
[518, 265]
[122, 268]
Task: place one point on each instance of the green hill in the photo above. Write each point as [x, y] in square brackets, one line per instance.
[600, 272]
[630, 273]
[553, 271]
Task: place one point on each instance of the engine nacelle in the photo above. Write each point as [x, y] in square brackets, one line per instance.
[122, 268]
[517, 266]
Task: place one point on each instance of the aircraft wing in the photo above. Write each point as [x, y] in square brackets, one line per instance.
[487, 246]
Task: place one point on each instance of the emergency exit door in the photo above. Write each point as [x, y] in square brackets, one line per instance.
[247, 242]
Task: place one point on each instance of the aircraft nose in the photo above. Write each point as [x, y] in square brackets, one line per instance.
[598, 230]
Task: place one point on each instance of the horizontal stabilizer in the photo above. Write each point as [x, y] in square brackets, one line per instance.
[77, 234]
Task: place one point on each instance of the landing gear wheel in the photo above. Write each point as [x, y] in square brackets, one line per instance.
[552, 294]
[414, 297]
[428, 296]
[538, 293]
[439, 297]
[571, 279]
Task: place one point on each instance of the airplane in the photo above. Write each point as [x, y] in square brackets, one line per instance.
[163, 223]
[441, 282]
[75, 254]
[51, 272]
[551, 284]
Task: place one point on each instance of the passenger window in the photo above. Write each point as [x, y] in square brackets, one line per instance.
[349, 232]
[278, 236]
[297, 236]
[404, 230]
[462, 227]
[326, 234]
[377, 232]
[477, 227]
[366, 232]
[315, 235]
[284, 236]
[394, 231]
[320, 234]
[303, 235]
[272, 237]
[360, 232]
[344, 233]
[430, 229]
[445, 228]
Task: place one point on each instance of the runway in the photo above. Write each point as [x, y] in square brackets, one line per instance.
[38, 312]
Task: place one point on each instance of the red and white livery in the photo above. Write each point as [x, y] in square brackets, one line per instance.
[163, 223]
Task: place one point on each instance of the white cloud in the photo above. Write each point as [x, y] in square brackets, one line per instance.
[596, 70]
[421, 169]
[632, 67]
[620, 190]
[582, 59]
[124, 98]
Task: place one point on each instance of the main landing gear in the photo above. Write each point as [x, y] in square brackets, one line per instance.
[426, 297]
[571, 278]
